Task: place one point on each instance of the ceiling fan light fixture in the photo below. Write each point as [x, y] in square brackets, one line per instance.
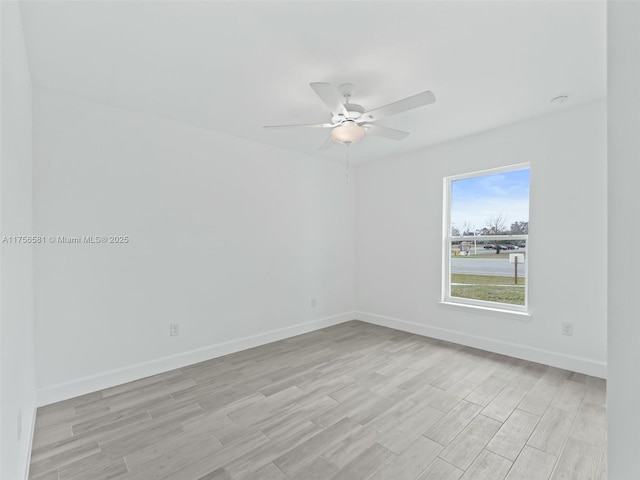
[347, 133]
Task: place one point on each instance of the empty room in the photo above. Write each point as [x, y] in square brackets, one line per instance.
[324, 240]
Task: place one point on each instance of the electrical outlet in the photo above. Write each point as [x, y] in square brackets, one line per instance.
[313, 303]
[19, 425]
[174, 329]
[567, 328]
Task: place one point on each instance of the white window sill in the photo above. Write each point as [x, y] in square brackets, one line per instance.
[493, 311]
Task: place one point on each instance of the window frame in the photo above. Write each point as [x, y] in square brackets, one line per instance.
[447, 240]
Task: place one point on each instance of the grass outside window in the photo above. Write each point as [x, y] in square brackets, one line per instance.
[490, 288]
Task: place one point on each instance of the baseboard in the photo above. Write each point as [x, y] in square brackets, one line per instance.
[112, 378]
[546, 357]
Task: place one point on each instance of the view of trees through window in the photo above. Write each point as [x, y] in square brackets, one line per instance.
[495, 225]
[486, 244]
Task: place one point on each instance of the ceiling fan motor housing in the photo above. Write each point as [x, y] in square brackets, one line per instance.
[354, 111]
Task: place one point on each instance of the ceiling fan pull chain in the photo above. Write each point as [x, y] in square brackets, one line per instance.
[346, 172]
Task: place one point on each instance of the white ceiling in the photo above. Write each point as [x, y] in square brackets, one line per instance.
[236, 66]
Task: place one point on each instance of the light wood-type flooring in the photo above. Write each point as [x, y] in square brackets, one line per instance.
[353, 401]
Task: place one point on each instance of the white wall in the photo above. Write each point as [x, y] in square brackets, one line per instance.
[229, 238]
[399, 235]
[17, 385]
[623, 385]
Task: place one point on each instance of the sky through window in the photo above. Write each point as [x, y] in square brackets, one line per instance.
[477, 199]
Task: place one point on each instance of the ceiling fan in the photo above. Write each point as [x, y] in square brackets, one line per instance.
[350, 121]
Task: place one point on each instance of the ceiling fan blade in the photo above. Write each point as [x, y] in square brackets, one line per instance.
[386, 132]
[329, 97]
[409, 103]
[302, 125]
[328, 143]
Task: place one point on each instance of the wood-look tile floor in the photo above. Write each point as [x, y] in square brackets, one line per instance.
[353, 401]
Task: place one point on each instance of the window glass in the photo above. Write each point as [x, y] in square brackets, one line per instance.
[486, 238]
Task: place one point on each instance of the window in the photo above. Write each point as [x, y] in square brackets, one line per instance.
[486, 232]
